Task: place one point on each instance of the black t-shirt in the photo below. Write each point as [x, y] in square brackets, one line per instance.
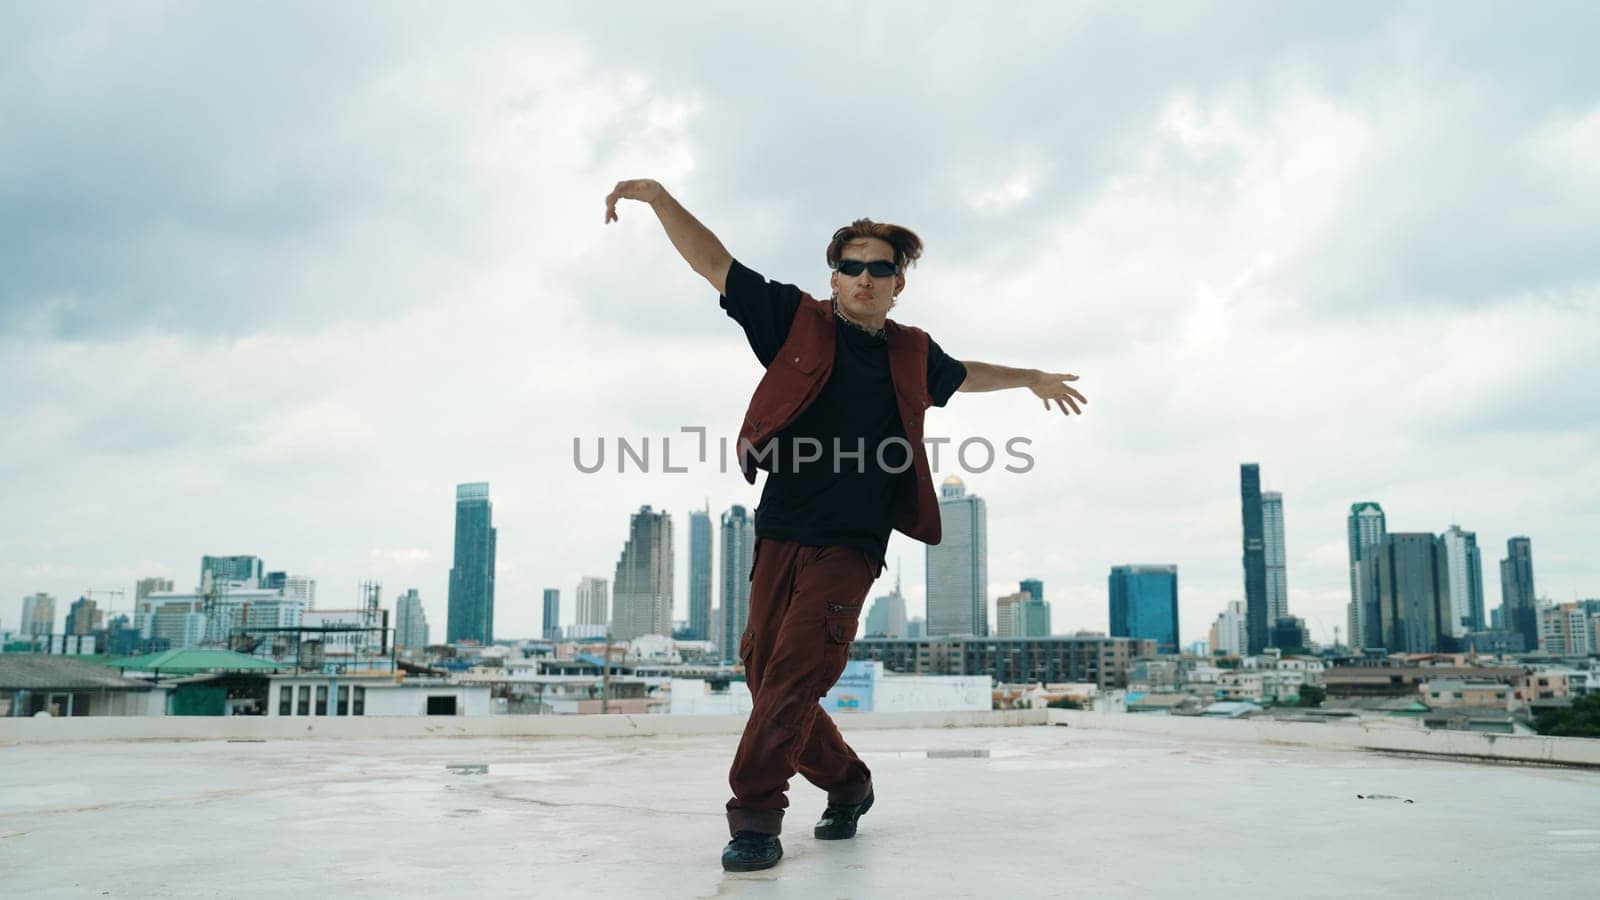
[843, 500]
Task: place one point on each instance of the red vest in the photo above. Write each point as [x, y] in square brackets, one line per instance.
[795, 378]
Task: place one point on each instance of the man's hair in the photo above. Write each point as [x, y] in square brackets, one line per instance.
[907, 246]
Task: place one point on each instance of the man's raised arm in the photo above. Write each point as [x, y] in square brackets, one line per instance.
[694, 242]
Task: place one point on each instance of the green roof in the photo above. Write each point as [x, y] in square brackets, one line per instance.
[194, 659]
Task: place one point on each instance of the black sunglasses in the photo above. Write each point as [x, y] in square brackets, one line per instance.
[880, 268]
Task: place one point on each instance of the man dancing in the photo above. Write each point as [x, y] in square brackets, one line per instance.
[837, 423]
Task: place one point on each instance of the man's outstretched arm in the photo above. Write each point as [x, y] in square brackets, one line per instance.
[694, 242]
[1048, 386]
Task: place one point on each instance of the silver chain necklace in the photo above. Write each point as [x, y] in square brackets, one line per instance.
[873, 332]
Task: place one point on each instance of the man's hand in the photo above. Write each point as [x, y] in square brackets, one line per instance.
[693, 241]
[1053, 386]
[642, 189]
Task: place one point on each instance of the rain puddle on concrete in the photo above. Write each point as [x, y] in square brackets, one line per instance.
[467, 768]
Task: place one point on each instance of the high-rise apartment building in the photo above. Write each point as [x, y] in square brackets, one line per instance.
[958, 566]
[738, 549]
[700, 575]
[411, 622]
[1365, 525]
[1517, 599]
[593, 602]
[1275, 556]
[1466, 581]
[641, 596]
[1407, 589]
[552, 614]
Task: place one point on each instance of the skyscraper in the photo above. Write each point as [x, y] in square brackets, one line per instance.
[887, 618]
[1275, 555]
[1035, 617]
[1033, 586]
[1366, 525]
[1517, 598]
[1008, 612]
[38, 614]
[1035, 612]
[1407, 588]
[552, 614]
[958, 566]
[593, 602]
[738, 547]
[1144, 604]
[294, 587]
[1466, 581]
[1564, 630]
[470, 615]
[84, 617]
[142, 589]
[641, 601]
[230, 572]
[700, 575]
[1228, 637]
[411, 622]
[1255, 558]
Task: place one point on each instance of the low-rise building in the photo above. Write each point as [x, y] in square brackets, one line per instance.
[1106, 661]
[1446, 693]
[41, 684]
[358, 695]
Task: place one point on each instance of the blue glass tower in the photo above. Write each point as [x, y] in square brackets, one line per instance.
[471, 613]
[1144, 604]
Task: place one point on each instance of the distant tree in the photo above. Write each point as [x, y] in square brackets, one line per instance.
[1312, 695]
[1581, 719]
[1065, 703]
[1228, 662]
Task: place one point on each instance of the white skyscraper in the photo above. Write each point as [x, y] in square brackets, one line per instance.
[958, 566]
[144, 588]
[887, 618]
[1466, 581]
[302, 588]
[1277, 566]
[1008, 614]
[38, 614]
[593, 600]
[1228, 633]
[411, 622]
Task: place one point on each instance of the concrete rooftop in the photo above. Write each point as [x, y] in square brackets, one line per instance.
[1030, 811]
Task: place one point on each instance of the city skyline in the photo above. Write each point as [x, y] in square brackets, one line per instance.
[997, 590]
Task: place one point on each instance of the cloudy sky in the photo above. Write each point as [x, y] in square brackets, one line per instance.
[274, 279]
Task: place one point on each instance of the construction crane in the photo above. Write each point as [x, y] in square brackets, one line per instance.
[90, 593]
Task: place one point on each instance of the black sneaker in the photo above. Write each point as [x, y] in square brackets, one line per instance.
[750, 851]
[839, 821]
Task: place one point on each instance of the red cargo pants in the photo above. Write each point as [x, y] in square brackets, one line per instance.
[804, 606]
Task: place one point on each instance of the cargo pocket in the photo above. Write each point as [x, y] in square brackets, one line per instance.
[841, 622]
